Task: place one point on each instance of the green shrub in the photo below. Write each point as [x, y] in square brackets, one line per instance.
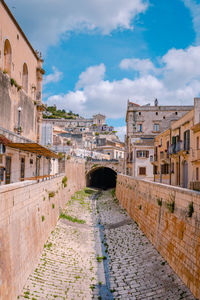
[64, 181]
[43, 218]
[171, 206]
[190, 209]
[51, 194]
[159, 201]
[53, 205]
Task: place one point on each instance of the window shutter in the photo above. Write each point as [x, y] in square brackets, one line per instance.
[173, 140]
[147, 154]
[188, 140]
[184, 140]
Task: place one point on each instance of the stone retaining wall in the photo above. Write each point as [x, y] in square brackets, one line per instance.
[174, 234]
[28, 213]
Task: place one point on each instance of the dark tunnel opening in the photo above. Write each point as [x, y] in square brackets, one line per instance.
[102, 178]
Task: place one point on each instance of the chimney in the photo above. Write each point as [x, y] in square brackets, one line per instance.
[196, 110]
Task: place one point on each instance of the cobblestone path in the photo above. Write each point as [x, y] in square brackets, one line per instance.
[107, 257]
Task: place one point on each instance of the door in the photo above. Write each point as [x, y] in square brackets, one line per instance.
[8, 170]
[22, 172]
[185, 174]
[37, 173]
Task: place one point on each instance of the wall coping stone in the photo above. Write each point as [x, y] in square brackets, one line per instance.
[174, 188]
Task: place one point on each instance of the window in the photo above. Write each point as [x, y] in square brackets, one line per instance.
[163, 117]
[25, 77]
[156, 127]
[139, 127]
[176, 113]
[165, 169]
[142, 153]
[197, 143]
[1, 159]
[197, 174]
[7, 57]
[156, 113]
[139, 113]
[187, 140]
[142, 170]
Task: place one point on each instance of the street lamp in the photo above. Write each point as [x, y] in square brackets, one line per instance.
[19, 115]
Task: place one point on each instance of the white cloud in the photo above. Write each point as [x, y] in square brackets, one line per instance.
[181, 66]
[177, 81]
[45, 21]
[194, 8]
[91, 76]
[121, 132]
[53, 77]
[143, 66]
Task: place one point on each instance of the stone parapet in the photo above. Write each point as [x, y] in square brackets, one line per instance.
[29, 211]
[170, 218]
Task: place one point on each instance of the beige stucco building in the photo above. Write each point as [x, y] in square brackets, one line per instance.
[21, 155]
[177, 159]
[143, 124]
[20, 78]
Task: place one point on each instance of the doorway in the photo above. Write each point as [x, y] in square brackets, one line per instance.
[185, 174]
[8, 170]
[22, 171]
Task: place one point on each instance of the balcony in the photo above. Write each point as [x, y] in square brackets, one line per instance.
[178, 148]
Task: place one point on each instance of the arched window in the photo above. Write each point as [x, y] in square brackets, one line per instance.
[7, 57]
[25, 77]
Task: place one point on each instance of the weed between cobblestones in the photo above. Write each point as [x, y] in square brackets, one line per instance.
[71, 219]
[100, 258]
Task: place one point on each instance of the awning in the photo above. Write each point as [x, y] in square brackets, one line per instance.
[4, 140]
[33, 148]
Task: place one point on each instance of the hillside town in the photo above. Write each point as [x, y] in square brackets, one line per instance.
[61, 173]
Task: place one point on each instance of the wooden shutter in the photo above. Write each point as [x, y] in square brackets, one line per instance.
[188, 140]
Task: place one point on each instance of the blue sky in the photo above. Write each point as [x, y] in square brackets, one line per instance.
[100, 53]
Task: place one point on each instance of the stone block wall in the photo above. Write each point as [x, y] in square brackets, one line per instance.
[174, 234]
[29, 211]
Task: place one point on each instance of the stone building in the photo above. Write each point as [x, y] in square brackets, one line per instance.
[143, 124]
[177, 159]
[20, 78]
[113, 148]
[82, 133]
[21, 105]
[99, 119]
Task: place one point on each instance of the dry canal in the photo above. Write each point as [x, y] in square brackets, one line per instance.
[97, 252]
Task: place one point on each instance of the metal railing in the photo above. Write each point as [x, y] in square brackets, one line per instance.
[13, 137]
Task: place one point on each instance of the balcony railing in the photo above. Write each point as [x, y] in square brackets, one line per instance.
[176, 148]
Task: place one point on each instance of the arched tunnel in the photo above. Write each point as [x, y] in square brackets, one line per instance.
[102, 178]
